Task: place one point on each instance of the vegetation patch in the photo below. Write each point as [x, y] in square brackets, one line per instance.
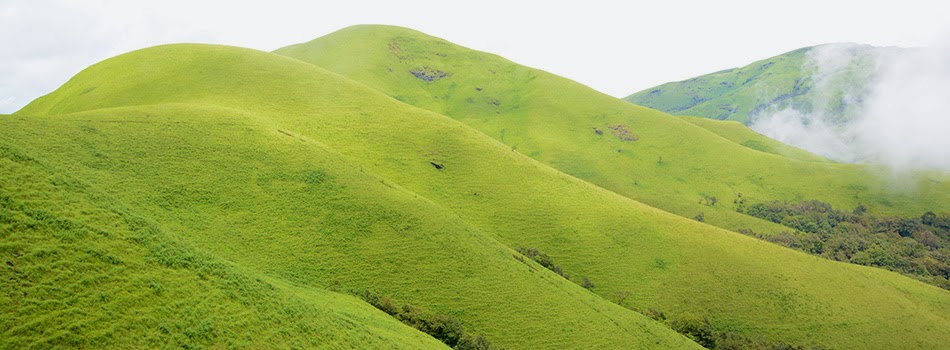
[707, 334]
[429, 74]
[445, 328]
[918, 247]
[543, 259]
[623, 132]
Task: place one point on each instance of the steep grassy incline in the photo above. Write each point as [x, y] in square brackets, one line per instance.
[81, 270]
[738, 133]
[804, 79]
[634, 151]
[241, 158]
[235, 150]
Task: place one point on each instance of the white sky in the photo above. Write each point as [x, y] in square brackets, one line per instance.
[618, 47]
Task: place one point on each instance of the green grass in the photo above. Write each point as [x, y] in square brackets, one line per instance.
[84, 271]
[791, 79]
[738, 133]
[673, 165]
[250, 156]
[294, 173]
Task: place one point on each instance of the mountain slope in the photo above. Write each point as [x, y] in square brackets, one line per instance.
[806, 79]
[82, 270]
[296, 173]
[637, 152]
[738, 133]
[249, 156]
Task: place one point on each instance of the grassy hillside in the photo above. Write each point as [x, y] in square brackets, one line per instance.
[239, 153]
[794, 79]
[82, 270]
[637, 152]
[738, 133]
[296, 173]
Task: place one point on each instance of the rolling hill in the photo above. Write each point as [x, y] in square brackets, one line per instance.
[230, 150]
[83, 270]
[319, 184]
[807, 79]
[640, 153]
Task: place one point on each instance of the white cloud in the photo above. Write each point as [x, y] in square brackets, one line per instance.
[901, 117]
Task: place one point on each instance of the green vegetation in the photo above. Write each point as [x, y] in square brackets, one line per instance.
[543, 259]
[445, 328]
[668, 163]
[738, 133]
[81, 270]
[788, 80]
[918, 247]
[704, 332]
[316, 183]
[298, 175]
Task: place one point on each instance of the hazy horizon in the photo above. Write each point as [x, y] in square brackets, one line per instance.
[617, 50]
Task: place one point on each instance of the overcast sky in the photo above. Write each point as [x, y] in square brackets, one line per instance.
[618, 47]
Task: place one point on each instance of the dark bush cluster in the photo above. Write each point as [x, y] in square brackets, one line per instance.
[918, 247]
[702, 331]
[542, 259]
[445, 328]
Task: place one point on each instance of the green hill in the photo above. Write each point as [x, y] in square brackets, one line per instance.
[637, 152]
[738, 133]
[288, 171]
[82, 270]
[240, 154]
[802, 79]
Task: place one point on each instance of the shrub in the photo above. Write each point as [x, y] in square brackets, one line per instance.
[445, 328]
[586, 283]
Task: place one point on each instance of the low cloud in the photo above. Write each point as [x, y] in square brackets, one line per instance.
[871, 105]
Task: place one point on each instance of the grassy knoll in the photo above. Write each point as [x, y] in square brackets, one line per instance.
[299, 174]
[81, 270]
[220, 146]
[637, 152]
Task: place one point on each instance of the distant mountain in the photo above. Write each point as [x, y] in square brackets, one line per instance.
[832, 78]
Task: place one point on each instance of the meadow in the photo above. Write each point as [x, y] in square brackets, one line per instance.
[275, 168]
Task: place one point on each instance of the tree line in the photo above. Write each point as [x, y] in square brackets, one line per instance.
[917, 246]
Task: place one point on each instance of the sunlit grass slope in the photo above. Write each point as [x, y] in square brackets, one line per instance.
[82, 270]
[637, 152]
[299, 174]
[738, 133]
[238, 152]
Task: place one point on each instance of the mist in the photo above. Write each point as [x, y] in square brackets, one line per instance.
[888, 106]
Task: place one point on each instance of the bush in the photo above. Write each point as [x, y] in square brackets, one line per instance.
[586, 283]
[445, 328]
[542, 259]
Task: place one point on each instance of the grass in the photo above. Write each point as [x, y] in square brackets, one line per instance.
[298, 174]
[84, 271]
[673, 165]
[738, 133]
[243, 157]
